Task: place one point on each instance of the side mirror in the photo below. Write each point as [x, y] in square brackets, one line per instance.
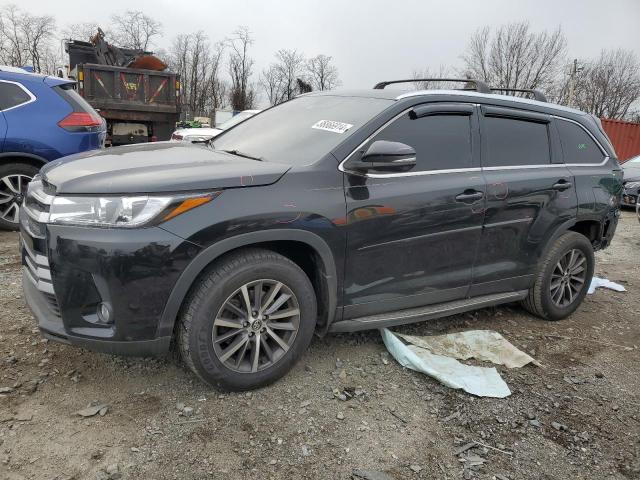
[383, 155]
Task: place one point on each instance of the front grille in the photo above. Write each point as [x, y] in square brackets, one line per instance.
[33, 215]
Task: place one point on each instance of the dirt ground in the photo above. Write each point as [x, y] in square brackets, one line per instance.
[347, 410]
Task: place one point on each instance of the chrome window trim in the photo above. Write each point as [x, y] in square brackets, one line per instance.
[417, 174]
[472, 169]
[602, 149]
[403, 174]
[32, 97]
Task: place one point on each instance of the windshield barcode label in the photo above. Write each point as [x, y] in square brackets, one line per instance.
[331, 126]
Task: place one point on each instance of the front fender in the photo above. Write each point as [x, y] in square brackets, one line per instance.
[211, 253]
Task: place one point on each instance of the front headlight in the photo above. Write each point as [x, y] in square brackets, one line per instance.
[632, 185]
[122, 212]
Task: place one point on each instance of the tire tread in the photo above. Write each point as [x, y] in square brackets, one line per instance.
[214, 275]
[533, 303]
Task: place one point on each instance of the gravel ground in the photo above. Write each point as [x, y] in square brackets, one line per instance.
[347, 410]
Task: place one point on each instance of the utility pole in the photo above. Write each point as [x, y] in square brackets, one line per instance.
[572, 82]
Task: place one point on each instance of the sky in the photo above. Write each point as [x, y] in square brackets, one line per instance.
[370, 40]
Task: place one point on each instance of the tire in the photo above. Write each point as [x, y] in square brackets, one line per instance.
[12, 190]
[217, 300]
[544, 299]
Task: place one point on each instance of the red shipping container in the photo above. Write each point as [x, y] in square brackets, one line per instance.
[625, 137]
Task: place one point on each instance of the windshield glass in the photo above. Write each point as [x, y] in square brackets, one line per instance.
[236, 119]
[301, 131]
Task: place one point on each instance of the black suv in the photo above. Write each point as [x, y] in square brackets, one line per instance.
[333, 212]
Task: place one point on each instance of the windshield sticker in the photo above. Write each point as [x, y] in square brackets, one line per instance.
[331, 126]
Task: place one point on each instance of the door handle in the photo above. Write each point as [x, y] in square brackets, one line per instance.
[469, 196]
[562, 185]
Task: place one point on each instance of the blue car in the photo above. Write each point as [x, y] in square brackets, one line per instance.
[42, 118]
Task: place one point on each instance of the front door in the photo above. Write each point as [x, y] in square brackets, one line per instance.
[530, 193]
[412, 236]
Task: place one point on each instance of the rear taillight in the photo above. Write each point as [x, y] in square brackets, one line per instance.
[176, 136]
[80, 122]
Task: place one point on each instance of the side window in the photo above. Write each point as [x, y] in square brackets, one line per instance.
[440, 141]
[513, 142]
[577, 145]
[11, 95]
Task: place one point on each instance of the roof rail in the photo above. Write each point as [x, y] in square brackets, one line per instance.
[480, 86]
[537, 94]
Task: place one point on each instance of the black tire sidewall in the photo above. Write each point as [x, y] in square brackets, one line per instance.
[204, 359]
[569, 242]
[15, 169]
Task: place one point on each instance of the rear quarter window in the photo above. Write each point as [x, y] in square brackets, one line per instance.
[577, 144]
[12, 95]
[73, 98]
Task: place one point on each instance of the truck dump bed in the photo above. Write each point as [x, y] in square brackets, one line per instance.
[108, 87]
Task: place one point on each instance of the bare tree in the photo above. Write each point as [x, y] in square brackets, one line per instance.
[280, 80]
[13, 50]
[198, 64]
[134, 29]
[515, 57]
[26, 39]
[271, 83]
[606, 87]
[442, 72]
[38, 32]
[82, 31]
[241, 92]
[322, 74]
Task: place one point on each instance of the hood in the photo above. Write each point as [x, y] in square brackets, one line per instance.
[157, 167]
[631, 172]
[198, 132]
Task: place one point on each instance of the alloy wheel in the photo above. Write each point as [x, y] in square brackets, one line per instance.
[568, 278]
[13, 188]
[256, 326]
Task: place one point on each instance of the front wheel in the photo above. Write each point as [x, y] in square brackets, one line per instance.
[563, 278]
[14, 179]
[247, 320]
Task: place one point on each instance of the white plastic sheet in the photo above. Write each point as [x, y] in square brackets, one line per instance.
[485, 345]
[603, 282]
[480, 381]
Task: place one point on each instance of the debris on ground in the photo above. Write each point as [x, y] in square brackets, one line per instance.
[485, 345]
[94, 409]
[436, 356]
[363, 474]
[597, 282]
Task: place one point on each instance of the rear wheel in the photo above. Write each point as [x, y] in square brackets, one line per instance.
[14, 179]
[247, 320]
[563, 278]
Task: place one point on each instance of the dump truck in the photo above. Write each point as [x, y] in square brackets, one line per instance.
[131, 89]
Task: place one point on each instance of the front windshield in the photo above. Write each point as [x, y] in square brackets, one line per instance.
[236, 119]
[301, 131]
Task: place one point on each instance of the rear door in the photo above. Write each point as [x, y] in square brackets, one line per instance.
[12, 97]
[530, 192]
[412, 236]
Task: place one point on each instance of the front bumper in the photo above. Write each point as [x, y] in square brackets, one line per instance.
[52, 328]
[69, 272]
[629, 199]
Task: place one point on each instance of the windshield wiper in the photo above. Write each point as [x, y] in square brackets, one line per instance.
[238, 153]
